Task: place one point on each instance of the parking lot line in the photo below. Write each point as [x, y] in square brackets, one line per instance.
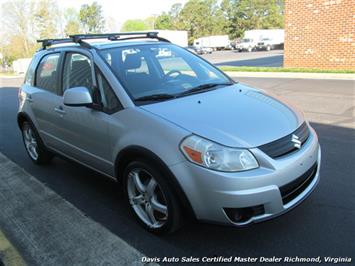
[9, 255]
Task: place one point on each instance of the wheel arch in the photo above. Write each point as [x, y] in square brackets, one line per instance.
[131, 152]
[22, 117]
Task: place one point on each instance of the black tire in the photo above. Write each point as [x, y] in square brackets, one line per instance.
[174, 214]
[43, 155]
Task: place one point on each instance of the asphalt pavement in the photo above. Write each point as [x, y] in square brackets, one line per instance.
[49, 230]
[273, 58]
[322, 226]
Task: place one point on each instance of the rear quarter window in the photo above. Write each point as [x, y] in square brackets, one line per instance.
[30, 74]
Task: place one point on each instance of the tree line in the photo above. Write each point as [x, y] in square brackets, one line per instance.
[25, 21]
[214, 17]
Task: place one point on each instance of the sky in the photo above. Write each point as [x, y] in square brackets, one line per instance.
[121, 10]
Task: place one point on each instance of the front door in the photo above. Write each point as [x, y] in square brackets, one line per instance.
[84, 131]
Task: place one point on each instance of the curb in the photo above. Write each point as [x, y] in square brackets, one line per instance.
[236, 74]
[48, 230]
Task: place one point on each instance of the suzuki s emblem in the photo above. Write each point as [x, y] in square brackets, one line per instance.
[296, 142]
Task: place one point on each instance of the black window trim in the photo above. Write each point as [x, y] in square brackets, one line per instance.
[98, 71]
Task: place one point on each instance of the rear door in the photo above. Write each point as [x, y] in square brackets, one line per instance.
[44, 97]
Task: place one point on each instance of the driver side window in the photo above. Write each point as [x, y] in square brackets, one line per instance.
[77, 72]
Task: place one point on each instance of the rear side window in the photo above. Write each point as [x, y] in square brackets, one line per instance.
[77, 72]
[30, 74]
[47, 73]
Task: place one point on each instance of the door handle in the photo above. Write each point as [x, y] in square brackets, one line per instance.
[59, 110]
[29, 98]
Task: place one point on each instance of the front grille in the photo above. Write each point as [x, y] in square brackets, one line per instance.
[297, 186]
[285, 145]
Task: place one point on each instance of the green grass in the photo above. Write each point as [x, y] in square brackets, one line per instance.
[283, 69]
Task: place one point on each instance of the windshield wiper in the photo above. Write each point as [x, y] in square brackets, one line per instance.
[165, 96]
[204, 87]
[155, 97]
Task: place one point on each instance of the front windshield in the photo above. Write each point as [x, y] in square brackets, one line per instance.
[246, 40]
[159, 69]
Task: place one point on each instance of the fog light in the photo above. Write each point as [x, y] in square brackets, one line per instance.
[242, 215]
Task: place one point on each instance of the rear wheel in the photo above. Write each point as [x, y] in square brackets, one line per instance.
[34, 145]
[151, 199]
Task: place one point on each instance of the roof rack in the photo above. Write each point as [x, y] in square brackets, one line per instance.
[79, 38]
[49, 42]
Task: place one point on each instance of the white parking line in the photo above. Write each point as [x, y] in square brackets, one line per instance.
[8, 253]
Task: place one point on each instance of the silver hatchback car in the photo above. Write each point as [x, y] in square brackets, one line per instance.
[182, 138]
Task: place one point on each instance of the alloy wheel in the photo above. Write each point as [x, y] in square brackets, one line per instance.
[30, 142]
[147, 198]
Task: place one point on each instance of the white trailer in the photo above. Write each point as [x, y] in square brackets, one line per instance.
[178, 37]
[217, 42]
[277, 36]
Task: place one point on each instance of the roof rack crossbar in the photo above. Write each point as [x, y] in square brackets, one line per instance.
[115, 36]
[79, 38]
[132, 38]
[49, 42]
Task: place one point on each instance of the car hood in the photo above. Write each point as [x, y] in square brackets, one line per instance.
[235, 116]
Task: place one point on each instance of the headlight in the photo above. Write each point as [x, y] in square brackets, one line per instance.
[217, 157]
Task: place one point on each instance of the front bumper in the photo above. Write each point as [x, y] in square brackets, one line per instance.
[211, 193]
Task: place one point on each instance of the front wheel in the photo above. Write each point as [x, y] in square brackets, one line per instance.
[151, 199]
[34, 145]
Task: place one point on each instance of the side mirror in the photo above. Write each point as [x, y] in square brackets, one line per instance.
[78, 96]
